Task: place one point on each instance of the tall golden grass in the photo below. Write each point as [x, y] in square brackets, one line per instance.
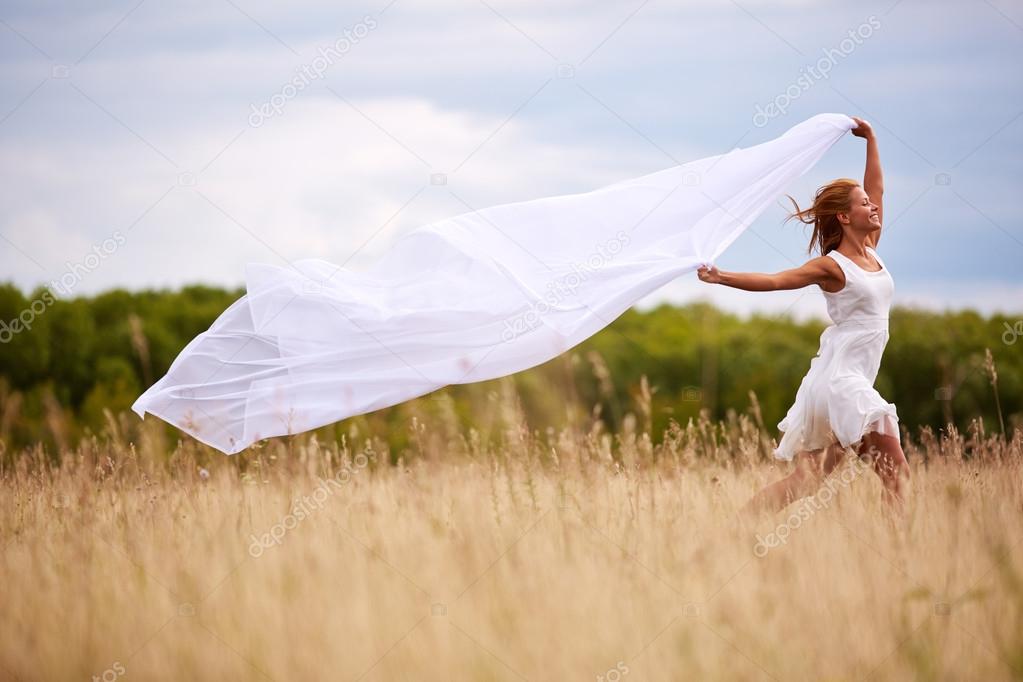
[572, 555]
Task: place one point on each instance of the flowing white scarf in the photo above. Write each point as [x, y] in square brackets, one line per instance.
[473, 297]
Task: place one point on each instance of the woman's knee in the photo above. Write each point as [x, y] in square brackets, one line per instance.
[889, 461]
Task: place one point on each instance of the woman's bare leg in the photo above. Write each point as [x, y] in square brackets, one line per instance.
[891, 466]
[811, 467]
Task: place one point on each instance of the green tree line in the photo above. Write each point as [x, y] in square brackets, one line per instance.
[63, 362]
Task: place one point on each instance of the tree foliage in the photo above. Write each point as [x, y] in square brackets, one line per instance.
[63, 363]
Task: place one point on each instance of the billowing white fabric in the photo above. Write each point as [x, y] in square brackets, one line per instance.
[473, 297]
[836, 400]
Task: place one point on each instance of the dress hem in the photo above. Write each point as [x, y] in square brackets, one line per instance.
[887, 424]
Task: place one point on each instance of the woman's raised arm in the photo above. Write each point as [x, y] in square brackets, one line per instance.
[873, 178]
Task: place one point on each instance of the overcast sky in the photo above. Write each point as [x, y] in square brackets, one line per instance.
[129, 130]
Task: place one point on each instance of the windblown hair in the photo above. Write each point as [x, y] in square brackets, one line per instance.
[830, 200]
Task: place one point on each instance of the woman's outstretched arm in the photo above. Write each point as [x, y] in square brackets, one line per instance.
[822, 271]
[873, 178]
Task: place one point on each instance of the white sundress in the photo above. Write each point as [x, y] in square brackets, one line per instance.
[837, 399]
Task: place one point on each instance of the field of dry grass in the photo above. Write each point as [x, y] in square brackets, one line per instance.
[579, 555]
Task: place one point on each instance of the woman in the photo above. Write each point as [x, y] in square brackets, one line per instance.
[836, 406]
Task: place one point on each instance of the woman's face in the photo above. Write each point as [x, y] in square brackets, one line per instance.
[862, 214]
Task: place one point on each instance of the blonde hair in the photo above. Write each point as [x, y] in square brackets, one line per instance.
[830, 200]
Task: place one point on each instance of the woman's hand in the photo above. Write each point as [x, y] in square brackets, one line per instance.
[862, 128]
[709, 275]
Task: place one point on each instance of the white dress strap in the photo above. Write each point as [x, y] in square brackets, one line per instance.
[842, 260]
[877, 257]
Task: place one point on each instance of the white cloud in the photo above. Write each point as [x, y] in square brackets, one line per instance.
[318, 181]
[442, 76]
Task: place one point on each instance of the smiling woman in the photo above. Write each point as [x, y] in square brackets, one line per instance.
[836, 406]
[315, 343]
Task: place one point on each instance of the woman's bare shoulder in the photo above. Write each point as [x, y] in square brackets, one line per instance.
[832, 276]
[826, 262]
